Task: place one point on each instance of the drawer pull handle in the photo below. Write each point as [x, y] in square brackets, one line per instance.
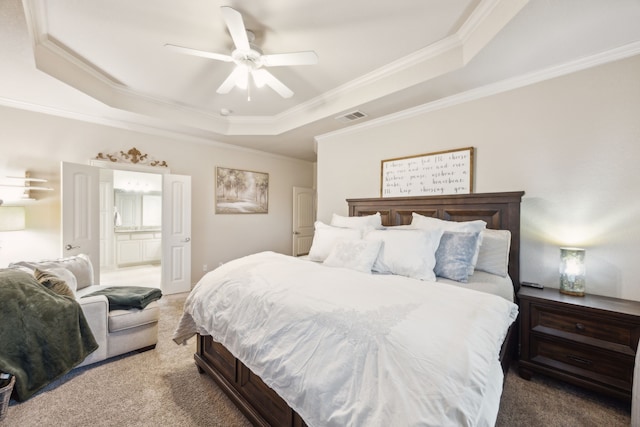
[580, 327]
[579, 359]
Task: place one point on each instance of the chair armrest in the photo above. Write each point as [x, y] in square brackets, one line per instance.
[96, 311]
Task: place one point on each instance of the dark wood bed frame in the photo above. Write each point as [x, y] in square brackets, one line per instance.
[259, 403]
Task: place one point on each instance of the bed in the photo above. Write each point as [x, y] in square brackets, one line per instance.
[233, 364]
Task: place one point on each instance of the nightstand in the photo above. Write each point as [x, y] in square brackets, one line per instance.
[589, 341]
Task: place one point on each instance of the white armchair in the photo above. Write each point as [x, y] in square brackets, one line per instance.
[117, 331]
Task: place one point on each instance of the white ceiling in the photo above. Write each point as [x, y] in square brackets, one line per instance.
[105, 61]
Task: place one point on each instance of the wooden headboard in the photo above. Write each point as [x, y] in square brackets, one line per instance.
[500, 211]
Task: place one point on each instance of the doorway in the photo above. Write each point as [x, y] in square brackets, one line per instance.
[130, 228]
[83, 223]
[304, 217]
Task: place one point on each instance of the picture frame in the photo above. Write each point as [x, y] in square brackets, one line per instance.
[241, 192]
[431, 174]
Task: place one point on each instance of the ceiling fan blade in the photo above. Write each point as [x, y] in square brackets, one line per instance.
[265, 77]
[236, 27]
[294, 58]
[202, 53]
[231, 80]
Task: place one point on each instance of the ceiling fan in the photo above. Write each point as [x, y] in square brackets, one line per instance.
[249, 59]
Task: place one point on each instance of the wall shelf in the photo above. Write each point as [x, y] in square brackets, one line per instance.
[26, 185]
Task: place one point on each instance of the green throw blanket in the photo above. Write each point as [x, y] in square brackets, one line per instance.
[126, 297]
[42, 335]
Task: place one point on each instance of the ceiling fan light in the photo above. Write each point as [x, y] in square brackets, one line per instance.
[259, 78]
[242, 79]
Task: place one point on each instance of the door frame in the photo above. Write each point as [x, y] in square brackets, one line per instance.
[100, 164]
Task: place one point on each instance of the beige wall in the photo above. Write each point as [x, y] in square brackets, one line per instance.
[571, 143]
[39, 142]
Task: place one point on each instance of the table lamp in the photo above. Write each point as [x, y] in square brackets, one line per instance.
[572, 271]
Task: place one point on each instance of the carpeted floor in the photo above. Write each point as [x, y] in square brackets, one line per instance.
[546, 402]
[163, 387]
[160, 387]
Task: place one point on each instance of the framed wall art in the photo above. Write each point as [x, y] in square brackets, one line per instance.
[241, 192]
[443, 172]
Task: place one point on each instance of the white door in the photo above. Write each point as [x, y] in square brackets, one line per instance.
[304, 216]
[176, 234]
[81, 213]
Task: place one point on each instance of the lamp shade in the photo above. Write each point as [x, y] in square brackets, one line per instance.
[572, 271]
[12, 218]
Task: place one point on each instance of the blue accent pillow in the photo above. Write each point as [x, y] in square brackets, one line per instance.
[454, 256]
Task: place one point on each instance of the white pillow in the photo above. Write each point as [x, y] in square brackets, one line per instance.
[399, 227]
[428, 223]
[365, 221]
[408, 253]
[494, 252]
[354, 254]
[326, 236]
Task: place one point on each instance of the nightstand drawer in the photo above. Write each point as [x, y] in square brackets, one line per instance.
[601, 366]
[594, 330]
[590, 341]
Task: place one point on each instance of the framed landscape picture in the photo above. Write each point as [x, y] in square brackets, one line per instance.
[241, 192]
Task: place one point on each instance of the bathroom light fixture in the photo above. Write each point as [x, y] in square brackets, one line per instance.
[572, 271]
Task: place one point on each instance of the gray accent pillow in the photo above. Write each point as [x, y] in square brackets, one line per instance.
[454, 256]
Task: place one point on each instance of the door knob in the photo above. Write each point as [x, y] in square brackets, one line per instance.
[186, 239]
[69, 247]
[296, 232]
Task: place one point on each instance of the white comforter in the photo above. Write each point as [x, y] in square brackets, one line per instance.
[344, 348]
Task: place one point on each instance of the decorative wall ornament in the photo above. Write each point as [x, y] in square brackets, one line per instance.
[133, 156]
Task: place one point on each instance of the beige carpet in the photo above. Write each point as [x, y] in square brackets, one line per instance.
[162, 387]
[546, 402]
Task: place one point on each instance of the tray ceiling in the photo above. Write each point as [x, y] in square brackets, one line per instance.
[106, 61]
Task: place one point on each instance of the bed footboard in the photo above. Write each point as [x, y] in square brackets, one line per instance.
[259, 403]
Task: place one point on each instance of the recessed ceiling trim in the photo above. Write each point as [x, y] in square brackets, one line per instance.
[485, 22]
[430, 57]
[149, 129]
[441, 57]
[627, 51]
[57, 61]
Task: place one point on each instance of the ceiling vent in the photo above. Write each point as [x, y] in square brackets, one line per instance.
[349, 117]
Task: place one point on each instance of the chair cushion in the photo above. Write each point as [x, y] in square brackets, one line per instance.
[120, 320]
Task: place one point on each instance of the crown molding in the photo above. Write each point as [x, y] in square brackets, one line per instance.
[622, 52]
[147, 129]
[493, 14]
[57, 60]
